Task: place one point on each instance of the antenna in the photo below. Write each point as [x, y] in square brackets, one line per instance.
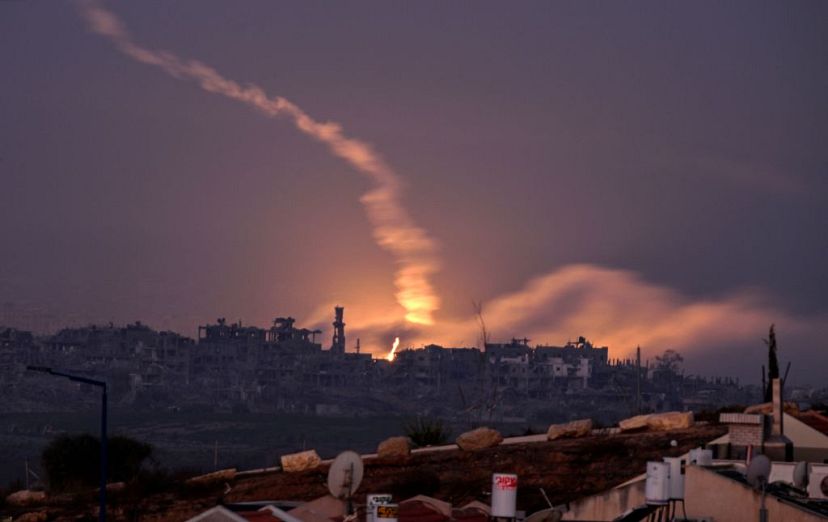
[758, 471]
[345, 476]
[801, 475]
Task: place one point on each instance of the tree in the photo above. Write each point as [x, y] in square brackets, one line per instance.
[484, 333]
[72, 462]
[773, 363]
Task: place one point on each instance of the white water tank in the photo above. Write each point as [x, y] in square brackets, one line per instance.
[657, 487]
[504, 495]
[676, 477]
[705, 458]
[701, 457]
[374, 500]
[386, 513]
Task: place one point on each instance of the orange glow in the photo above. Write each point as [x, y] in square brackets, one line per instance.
[612, 307]
[393, 352]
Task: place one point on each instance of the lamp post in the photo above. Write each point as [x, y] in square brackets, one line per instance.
[104, 452]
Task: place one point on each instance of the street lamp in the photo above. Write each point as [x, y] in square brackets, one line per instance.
[104, 453]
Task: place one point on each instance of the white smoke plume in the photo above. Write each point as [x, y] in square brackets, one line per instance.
[394, 230]
[617, 308]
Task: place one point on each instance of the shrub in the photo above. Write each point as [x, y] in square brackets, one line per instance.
[72, 462]
[426, 432]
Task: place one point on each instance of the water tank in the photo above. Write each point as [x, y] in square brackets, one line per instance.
[374, 500]
[657, 487]
[504, 495]
[386, 513]
[693, 456]
[676, 477]
[701, 457]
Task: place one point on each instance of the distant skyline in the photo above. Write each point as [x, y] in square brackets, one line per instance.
[641, 174]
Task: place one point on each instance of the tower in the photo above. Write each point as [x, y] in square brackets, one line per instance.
[338, 343]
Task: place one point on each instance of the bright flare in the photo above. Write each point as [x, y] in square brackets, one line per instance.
[393, 352]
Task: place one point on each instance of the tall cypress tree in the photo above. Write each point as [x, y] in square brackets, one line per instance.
[773, 363]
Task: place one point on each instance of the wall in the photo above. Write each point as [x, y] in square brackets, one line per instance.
[608, 505]
[711, 495]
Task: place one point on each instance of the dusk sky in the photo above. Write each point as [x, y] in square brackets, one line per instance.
[640, 173]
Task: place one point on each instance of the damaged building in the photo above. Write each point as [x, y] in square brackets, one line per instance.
[284, 367]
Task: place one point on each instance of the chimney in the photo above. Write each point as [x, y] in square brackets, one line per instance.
[338, 343]
[778, 408]
[778, 447]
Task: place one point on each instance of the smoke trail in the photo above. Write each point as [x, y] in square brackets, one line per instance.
[394, 230]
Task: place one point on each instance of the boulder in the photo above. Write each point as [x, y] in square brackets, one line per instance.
[767, 407]
[32, 516]
[302, 461]
[222, 475]
[394, 448]
[115, 486]
[639, 422]
[478, 439]
[671, 420]
[569, 430]
[25, 497]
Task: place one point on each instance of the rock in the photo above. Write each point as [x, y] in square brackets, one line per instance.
[304, 460]
[32, 516]
[394, 448]
[480, 438]
[25, 497]
[216, 476]
[634, 423]
[115, 486]
[767, 407]
[569, 430]
[672, 420]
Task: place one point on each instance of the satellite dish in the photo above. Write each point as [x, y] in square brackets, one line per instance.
[345, 475]
[800, 475]
[758, 471]
[545, 515]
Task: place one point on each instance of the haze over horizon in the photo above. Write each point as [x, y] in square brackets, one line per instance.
[644, 174]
